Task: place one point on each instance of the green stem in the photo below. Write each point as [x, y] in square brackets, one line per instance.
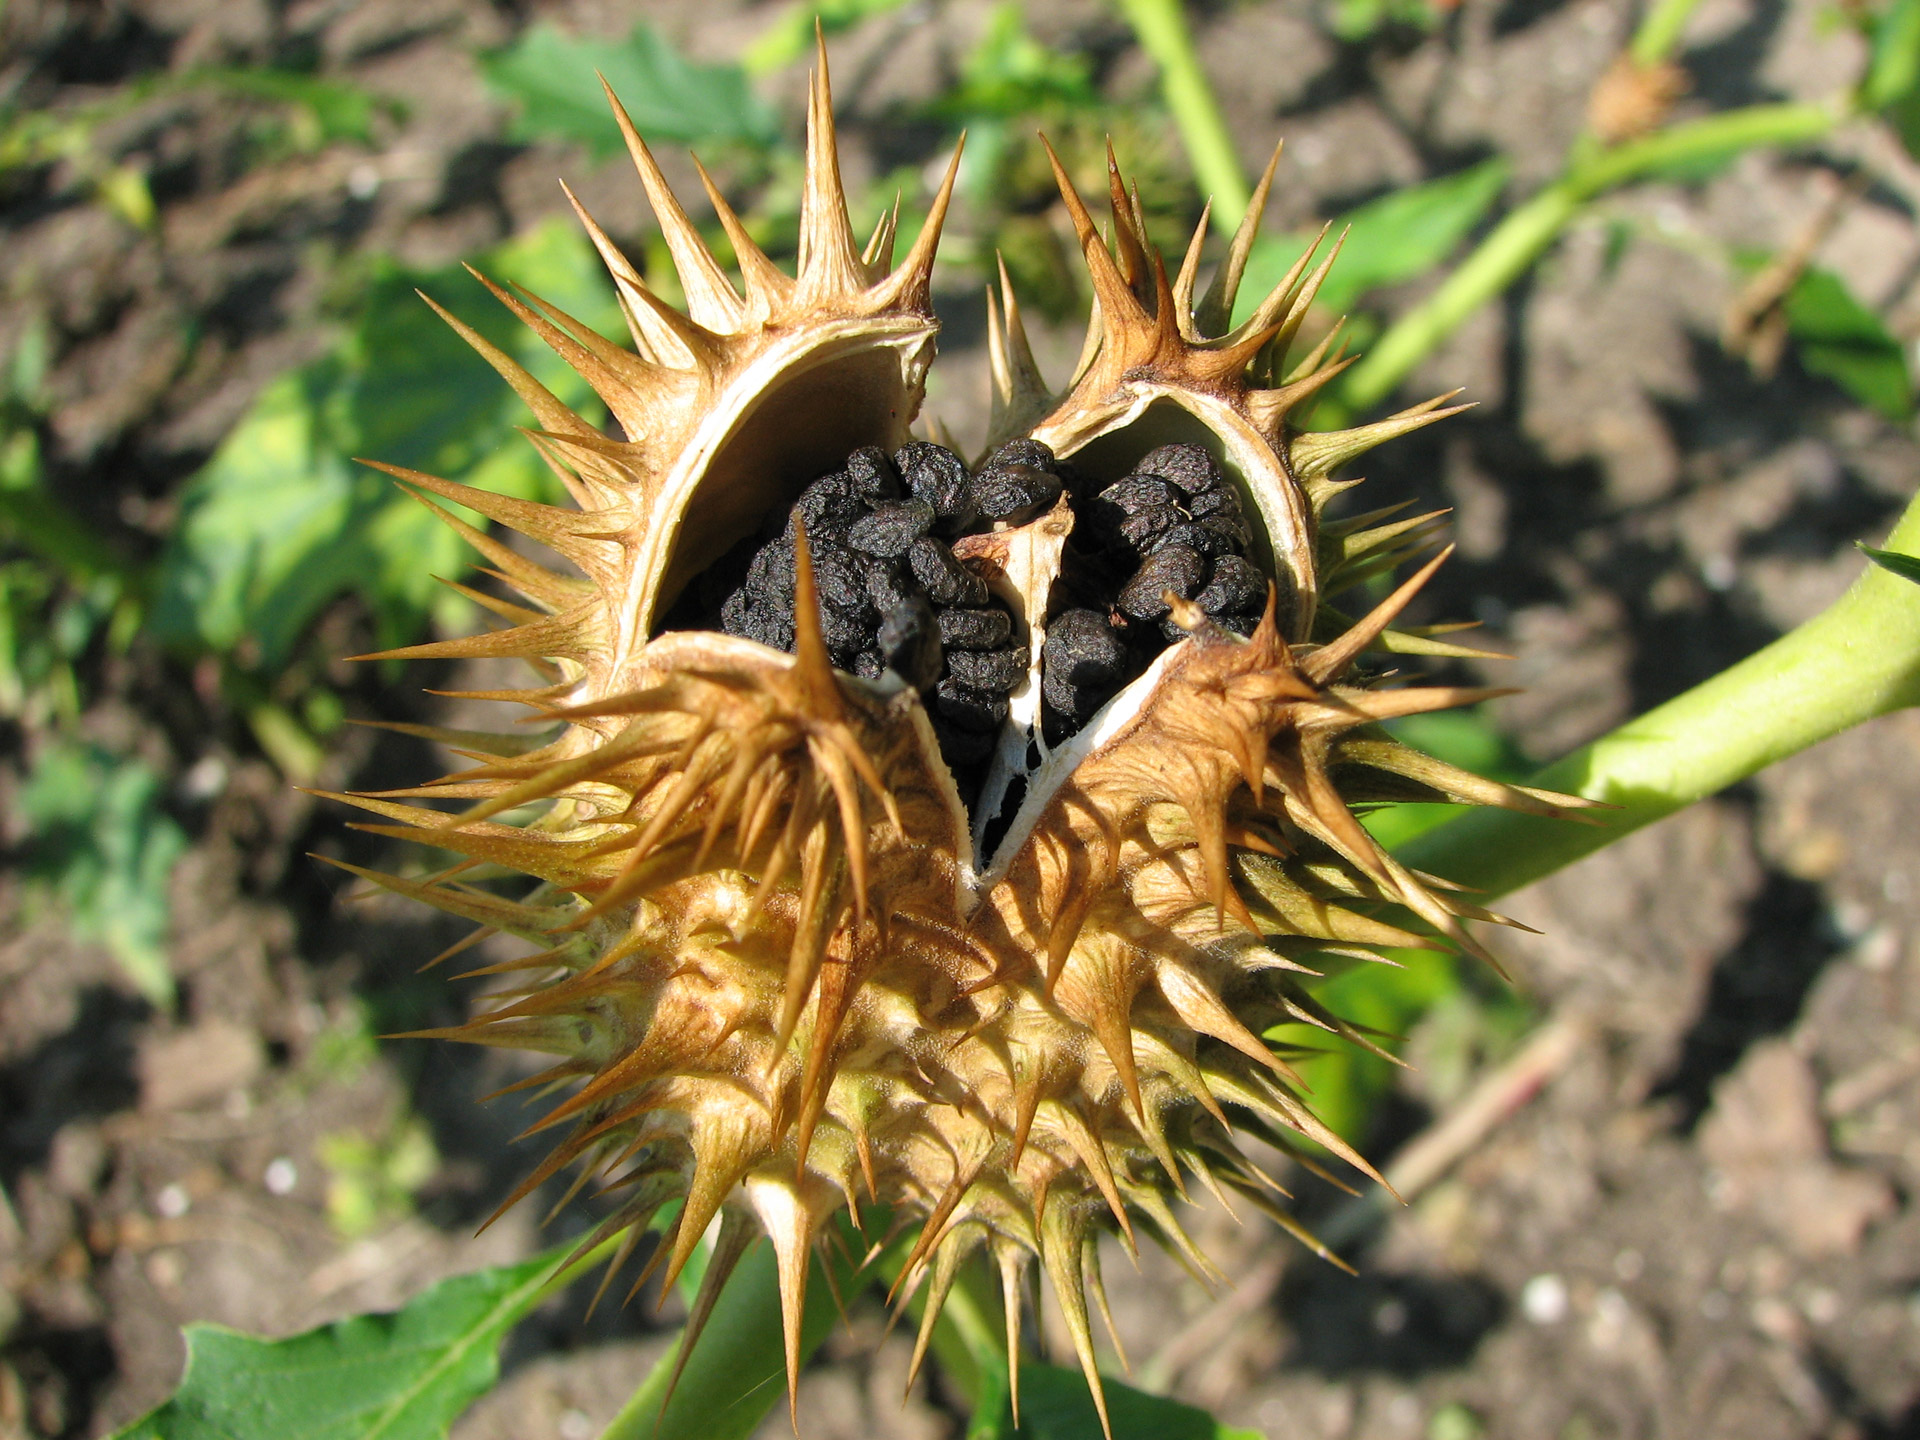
[1161, 28]
[1526, 233]
[739, 1370]
[1708, 138]
[1500, 259]
[1660, 29]
[1858, 659]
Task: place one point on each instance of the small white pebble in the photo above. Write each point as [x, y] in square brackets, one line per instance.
[1822, 1305]
[166, 1268]
[576, 1425]
[172, 1202]
[282, 1175]
[1543, 1299]
[205, 779]
[1719, 572]
[363, 181]
[1391, 1317]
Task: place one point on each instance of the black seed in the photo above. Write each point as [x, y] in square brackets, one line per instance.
[1242, 625]
[963, 747]
[1173, 567]
[888, 586]
[891, 528]
[910, 643]
[1023, 452]
[871, 475]
[1145, 531]
[868, 665]
[1076, 704]
[965, 708]
[936, 475]
[770, 576]
[828, 506]
[1014, 492]
[995, 670]
[1216, 502]
[741, 615]
[945, 579]
[840, 577]
[1083, 648]
[975, 629]
[1236, 588]
[1084, 662]
[1230, 528]
[1202, 539]
[847, 633]
[1137, 493]
[1190, 467]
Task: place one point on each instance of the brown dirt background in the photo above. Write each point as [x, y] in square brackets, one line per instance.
[1703, 1226]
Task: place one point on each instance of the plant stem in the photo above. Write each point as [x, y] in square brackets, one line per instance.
[1161, 28]
[1526, 233]
[1500, 259]
[1660, 29]
[739, 1369]
[1856, 660]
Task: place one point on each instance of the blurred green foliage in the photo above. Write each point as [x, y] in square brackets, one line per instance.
[102, 851]
[790, 37]
[371, 1181]
[1358, 20]
[554, 81]
[1401, 236]
[1055, 1405]
[1837, 336]
[311, 111]
[283, 520]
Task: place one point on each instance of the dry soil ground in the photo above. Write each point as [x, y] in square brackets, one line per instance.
[1703, 1226]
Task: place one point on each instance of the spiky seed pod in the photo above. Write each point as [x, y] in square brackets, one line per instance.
[777, 966]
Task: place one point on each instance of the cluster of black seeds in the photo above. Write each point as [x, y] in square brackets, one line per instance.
[1179, 519]
[892, 594]
[1174, 524]
[894, 597]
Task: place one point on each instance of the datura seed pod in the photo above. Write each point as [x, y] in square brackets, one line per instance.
[954, 841]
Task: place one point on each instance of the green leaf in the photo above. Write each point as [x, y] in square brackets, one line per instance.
[1840, 338]
[1357, 20]
[282, 519]
[737, 1371]
[338, 110]
[790, 36]
[1009, 74]
[1055, 1404]
[1894, 70]
[1396, 238]
[1907, 567]
[554, 80]
[400, 1376]
[105, 850]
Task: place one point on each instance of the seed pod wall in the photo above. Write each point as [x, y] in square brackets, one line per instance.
[942, 836]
